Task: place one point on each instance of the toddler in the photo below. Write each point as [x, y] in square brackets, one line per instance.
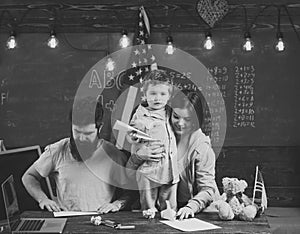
[157, 181]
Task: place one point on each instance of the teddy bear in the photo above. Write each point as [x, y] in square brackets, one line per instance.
[234, 203]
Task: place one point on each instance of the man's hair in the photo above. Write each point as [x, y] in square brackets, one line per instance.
[87, 110]
[157, 77]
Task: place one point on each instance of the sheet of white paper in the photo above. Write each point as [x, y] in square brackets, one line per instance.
[73, 213]
[189, 225]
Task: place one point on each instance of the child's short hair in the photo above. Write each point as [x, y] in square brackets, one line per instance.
[156, 77]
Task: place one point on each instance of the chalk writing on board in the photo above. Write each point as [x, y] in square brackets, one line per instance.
[3, 92]
[220, 75]
[95, 80]
[244, 109]
[4, 97]
[108, 104]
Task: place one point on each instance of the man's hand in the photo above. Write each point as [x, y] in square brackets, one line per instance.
[109, 207]
[185, 212]
[50, 205]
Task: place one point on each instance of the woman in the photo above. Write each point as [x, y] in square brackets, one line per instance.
[196, 160]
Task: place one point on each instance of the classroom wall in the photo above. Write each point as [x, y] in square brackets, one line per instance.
[38, 84]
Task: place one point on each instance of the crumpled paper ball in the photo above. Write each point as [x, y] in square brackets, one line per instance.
[96, 220]
[150, 213]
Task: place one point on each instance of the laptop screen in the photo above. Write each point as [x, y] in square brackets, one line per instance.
[10, 200]
[15, 162]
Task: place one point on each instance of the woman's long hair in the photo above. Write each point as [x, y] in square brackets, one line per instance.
[186, 99]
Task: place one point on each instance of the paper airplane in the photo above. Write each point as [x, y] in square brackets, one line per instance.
[168, 213]
[121, 126]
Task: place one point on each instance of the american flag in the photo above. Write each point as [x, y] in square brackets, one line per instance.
[139, 64]
[259, 191]
[142, 54]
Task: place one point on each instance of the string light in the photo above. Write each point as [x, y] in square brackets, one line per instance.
[248, 44]
[208, 42]
[170, 47]
[11, 41]
[52, 41]
[110, 64]
[279, 46]
[124, 40]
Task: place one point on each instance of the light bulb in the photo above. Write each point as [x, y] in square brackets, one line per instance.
[208, 42]
[52, 41]
[11, 42]
[124, 40]
[110, 64]
[170, 47]
[248, 43]
[280, 44]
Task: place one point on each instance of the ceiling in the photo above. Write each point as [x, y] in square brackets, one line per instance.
[165, 15]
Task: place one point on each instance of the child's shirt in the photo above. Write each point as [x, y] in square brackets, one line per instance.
[156, 124]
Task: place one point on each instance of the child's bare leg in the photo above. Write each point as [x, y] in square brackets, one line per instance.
[168, 192]
[148, 195]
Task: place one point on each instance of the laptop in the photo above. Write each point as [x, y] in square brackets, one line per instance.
[16, 224]
[15, 162]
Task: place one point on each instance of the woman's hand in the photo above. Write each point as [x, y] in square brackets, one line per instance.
[185, 212]
[153, 152]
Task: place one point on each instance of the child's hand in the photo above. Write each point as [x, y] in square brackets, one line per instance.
[132, 138]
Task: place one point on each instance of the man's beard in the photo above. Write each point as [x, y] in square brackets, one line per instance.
[81, 150]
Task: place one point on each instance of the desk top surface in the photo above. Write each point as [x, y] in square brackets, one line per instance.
[81, 224]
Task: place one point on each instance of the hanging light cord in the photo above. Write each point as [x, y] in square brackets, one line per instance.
[246, 20]
[292, 23]
[278, 21]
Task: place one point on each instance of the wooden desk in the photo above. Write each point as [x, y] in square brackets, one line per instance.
[81, 224]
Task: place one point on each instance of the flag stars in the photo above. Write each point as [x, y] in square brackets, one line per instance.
[131, 77]
[152, 58]
[141, 33]
[144, 98]
[149, 47]
[144, 51]
[139, 72]
[141, 24]
[137, 52]
[140, 62]
[145, 60]
[134, 64]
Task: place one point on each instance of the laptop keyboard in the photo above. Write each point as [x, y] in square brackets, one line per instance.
[32, 225]
[15, 224]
